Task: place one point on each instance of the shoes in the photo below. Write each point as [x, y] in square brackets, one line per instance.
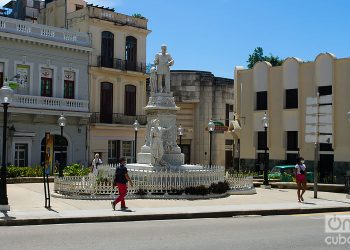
[123, 208]
[113, 205]
[301, 198]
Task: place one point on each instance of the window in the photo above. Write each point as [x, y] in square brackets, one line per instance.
[113, 151]
[1, 74]
[21, 155]
[292, 140]
[262, 142]
[69, 78]
[131, 52]
[46, 82]
[106, 102]
[325, 90]
[291, 158]
[107, 49]
[117, 148]
[291, 99]
[130, 100]
[78, 7]
[229, 109]
[261, 100]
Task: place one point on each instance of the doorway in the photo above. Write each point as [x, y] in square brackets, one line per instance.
[326, 168]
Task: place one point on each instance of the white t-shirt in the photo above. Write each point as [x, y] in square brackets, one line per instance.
[298, 167]
[95, 164]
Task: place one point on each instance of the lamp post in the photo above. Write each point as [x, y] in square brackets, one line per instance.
[211, 128]
[180, 132]
[136, 128]
[6, 95]
[265, 123]
[61, 123]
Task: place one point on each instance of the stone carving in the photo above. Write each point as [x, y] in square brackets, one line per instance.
[161, 101]
[163, 61]
[156, 143]
[153, 80]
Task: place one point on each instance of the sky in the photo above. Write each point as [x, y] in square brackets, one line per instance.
[217, 35]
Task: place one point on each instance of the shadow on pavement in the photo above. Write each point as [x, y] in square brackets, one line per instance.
[308, 203]
[6, 216]
[52, 210]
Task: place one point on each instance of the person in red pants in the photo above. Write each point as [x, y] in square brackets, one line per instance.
[121, 180]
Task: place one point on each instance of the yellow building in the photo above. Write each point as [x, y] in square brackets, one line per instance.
[117, 74]
[282, 92]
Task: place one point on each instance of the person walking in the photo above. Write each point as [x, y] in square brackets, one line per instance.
[95, 163]
[121, 179]
[300, 175]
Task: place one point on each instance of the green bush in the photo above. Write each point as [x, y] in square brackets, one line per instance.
[76, 170]
[13, 171]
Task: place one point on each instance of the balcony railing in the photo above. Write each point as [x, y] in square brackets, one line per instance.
[117, 118]
[41, 102]
[120, 64]
[44, 32]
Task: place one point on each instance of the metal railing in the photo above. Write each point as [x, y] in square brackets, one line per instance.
[52, 103]
[116, 118]
[124, 65]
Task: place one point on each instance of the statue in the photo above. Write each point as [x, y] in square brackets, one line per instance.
[153, 80]
[163, 61]
[156, 142]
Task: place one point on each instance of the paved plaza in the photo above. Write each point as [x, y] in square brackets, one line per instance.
[27, 206]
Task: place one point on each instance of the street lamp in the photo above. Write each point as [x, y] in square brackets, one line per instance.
[180, 132]
[211, 128]
[136, 128]
[61, 122]
[6, 96]
[265, 123]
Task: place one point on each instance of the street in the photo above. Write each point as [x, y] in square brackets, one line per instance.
[252, 232]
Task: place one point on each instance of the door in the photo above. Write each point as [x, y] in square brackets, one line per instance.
[131, 53]
[106, 102]
[228, 159]
[186, 150]
[326, 168]
[107, 49]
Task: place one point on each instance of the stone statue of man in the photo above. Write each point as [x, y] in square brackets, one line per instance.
[156, 142]
[163, 61]
[153, 80]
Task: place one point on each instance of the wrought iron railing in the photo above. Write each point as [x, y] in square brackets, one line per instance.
[124, 65]
[116, 118]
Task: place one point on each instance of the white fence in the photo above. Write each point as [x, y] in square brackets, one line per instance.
[162, 182]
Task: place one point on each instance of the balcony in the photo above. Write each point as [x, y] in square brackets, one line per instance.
[43, 32]
[117, 118]
[49, 103]
[120, 64]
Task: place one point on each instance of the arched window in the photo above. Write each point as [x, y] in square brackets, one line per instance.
[107, 49]
[106, 102]
[131, 52]
[130, 100]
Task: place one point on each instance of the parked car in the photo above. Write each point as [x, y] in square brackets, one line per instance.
[286, 173]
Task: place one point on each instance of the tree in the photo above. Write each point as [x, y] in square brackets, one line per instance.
[258, 56]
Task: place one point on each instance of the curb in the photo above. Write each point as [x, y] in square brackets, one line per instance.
[123, 218]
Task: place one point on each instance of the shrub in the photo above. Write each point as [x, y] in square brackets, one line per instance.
[141, 192]
[13, 171]
[200, 190]
[219, 188]
[76, 170]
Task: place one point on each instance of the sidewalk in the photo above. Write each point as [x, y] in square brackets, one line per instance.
[27, 206]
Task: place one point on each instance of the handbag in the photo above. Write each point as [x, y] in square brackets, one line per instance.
[301, 170]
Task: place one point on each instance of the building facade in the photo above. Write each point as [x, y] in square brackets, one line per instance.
[282, 93]
[201, 96]
[48, 67]
[117, 74]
